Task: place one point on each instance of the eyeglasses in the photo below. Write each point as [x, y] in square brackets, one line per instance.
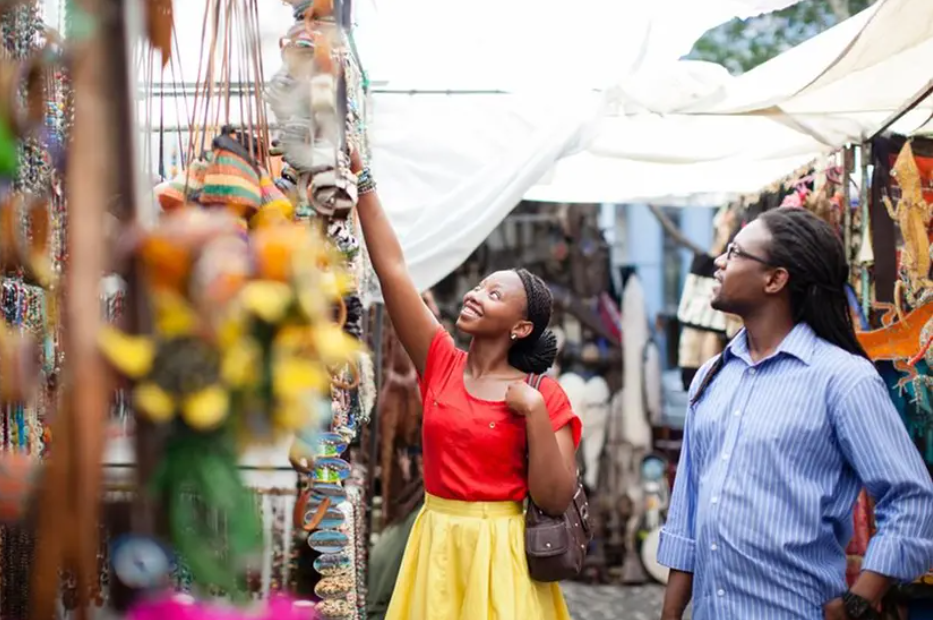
[733, 250]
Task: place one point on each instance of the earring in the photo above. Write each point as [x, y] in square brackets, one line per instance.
[513, 336]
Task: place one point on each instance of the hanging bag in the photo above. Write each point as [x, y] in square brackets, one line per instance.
[556, 546]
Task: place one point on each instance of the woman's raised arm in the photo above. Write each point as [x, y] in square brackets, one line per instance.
[414, 323]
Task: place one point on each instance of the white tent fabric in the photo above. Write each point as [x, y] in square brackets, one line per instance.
[842, 85]
[738, 134]
[520, 44]
[451, 168]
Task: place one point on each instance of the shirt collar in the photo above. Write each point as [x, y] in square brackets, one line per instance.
[798, 343]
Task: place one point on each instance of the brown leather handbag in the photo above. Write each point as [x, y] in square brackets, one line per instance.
[556, 546]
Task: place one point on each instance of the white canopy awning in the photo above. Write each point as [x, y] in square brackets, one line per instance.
[735, 134]
[451, 166]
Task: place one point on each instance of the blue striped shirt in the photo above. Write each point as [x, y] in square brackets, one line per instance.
[774, 456]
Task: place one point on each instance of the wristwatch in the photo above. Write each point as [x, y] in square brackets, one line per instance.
[858, 608]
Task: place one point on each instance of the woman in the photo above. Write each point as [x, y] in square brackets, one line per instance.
[489, 439]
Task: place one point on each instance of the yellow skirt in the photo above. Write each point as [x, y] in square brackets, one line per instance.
[466, 561]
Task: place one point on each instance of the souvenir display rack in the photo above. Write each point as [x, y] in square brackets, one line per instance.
[212, 260]
[34, 218]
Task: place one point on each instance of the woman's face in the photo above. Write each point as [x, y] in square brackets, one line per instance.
[495, 308]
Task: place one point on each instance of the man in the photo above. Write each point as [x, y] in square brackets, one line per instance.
[783, 429]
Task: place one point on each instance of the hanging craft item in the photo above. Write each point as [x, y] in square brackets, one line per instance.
[310, 99]
[17, 77]
[913, 215]
[305, 97]
[242, 346]
[232, 178]
[905, 343]
[184, 188]
[26, 237]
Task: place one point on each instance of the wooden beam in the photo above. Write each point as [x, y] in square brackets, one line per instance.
[69, 503]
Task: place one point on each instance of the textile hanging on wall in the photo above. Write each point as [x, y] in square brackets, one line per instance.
[862, 531]
[885, 234]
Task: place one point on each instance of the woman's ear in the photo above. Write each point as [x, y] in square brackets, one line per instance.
[522, 329]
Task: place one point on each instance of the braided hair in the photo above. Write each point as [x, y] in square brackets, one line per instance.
[814, 257]
[536, 352]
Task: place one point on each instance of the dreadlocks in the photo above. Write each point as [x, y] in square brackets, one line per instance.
[814, 257]
[535, 353]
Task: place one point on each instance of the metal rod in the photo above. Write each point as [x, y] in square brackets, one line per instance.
[178, 89]
[865, 199]
[848, 157]
[902, 111]
[373, 459]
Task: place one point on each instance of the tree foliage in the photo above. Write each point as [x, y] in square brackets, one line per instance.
[740, 45]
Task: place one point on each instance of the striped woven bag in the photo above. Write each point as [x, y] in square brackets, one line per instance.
[232, 179]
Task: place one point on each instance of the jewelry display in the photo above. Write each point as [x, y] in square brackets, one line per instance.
[32, 224]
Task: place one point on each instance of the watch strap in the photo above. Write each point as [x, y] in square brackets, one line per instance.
[858, 608]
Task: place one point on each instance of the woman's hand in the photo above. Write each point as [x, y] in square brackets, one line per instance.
[356, 164]
[523, 399]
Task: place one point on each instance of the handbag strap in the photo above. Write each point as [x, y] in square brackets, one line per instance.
[534, 380]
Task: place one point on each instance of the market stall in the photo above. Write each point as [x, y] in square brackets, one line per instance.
[221, 352]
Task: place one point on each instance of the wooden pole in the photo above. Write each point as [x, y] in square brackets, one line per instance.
[98, 169]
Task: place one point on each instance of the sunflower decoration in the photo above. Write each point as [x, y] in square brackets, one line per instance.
[283, 335]
[176, 370]
[246, 339]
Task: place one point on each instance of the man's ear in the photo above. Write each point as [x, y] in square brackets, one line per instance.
[777, 281]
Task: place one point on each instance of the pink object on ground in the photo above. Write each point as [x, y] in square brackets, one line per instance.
[181, 607]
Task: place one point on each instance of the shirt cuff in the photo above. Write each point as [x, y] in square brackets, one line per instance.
[899, 558]
[676, 552]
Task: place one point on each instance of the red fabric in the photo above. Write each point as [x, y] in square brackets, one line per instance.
[475, 450]
[863, 529]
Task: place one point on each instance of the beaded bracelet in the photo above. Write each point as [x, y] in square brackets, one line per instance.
[364, 182]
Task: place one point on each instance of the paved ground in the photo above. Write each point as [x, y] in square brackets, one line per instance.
[614, 602]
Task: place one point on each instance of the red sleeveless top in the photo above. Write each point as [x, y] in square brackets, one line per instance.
[476, 450]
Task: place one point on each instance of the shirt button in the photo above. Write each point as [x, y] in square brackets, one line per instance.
[721, 592]
[752, 371]
[492, 425]
[715, 500]
[725, 456]
[736, 413]
[713, 547]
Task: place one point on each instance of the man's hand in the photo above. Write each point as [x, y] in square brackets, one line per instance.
[835, 610]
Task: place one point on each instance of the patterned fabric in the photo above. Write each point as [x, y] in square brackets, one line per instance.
[863, 528]
[275, 205]
[774, 456]
[232, 179]
[185, 187]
